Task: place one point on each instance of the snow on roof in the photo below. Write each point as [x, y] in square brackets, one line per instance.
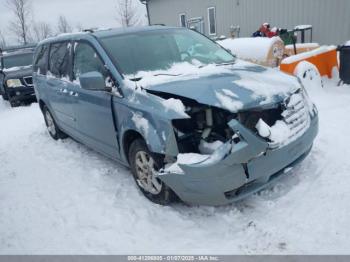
[254, 49]
[302, 27]
[347, 43]
[302, 56]
[305, 45]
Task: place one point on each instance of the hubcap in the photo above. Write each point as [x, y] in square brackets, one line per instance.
[145, 169]
[50, 124]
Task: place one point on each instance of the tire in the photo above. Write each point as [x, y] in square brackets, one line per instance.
[156, 191]
[51, 125]
[309, 76]
[4, 96]
[13, 104]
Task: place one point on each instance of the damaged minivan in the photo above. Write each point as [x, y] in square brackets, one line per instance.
[191, 121]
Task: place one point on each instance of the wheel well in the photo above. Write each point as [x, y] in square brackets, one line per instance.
[129, 137]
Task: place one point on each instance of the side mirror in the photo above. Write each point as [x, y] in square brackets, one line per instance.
[93, 81]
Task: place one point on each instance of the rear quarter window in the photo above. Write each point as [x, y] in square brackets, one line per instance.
[41, 59]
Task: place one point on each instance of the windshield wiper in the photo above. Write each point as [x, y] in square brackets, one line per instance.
[135, 79]
[167, 75]
[226, 63]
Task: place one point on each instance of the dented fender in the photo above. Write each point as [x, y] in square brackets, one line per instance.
[145, 114]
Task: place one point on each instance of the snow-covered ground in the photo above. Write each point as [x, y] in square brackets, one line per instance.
[60, 197]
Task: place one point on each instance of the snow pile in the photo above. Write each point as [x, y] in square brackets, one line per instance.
[221, 151]
[265, 85]
[263, 128]
[253, 49]
[305, 55]
[175, 105]
[229, 101]
[185, 159]
[279, 132]
[177, 72]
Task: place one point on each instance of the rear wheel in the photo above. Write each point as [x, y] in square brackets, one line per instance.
[51, 125]
[144, 166]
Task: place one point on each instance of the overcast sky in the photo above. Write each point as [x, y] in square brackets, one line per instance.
[88, 13]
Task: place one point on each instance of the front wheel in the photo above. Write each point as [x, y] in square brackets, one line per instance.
[144, 166]
[4, 96]
[51, 125]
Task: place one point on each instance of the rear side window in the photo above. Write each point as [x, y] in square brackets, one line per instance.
[86, 60]
[40, 60]
[59, 59]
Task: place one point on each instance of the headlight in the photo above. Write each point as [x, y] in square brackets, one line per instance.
[13, 83]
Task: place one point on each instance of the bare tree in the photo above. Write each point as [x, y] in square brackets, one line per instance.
[41, 30]
[79, 27]
[2, 40]
[127, 13]
[63, 26]
[20, 25]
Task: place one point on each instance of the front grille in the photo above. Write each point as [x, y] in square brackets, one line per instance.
[28, 80]
[296, 115]
[293, 112]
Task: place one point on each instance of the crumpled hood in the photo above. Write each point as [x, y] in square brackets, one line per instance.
[235, 88]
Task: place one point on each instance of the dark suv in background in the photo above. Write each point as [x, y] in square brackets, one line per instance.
[16, 82]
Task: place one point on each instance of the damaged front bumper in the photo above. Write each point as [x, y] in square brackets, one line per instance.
[248, 167]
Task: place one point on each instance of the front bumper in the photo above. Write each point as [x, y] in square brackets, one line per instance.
[248, 168]
[21, 94]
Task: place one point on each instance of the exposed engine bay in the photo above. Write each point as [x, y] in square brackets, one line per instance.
[207, 128]
[205, 131]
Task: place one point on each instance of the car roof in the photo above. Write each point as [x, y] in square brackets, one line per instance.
[101, 33]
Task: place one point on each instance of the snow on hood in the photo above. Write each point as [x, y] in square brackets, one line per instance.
[16, 68]
[234, 87]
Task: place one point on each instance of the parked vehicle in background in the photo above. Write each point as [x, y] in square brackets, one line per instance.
[189, 119]
[16, 82]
